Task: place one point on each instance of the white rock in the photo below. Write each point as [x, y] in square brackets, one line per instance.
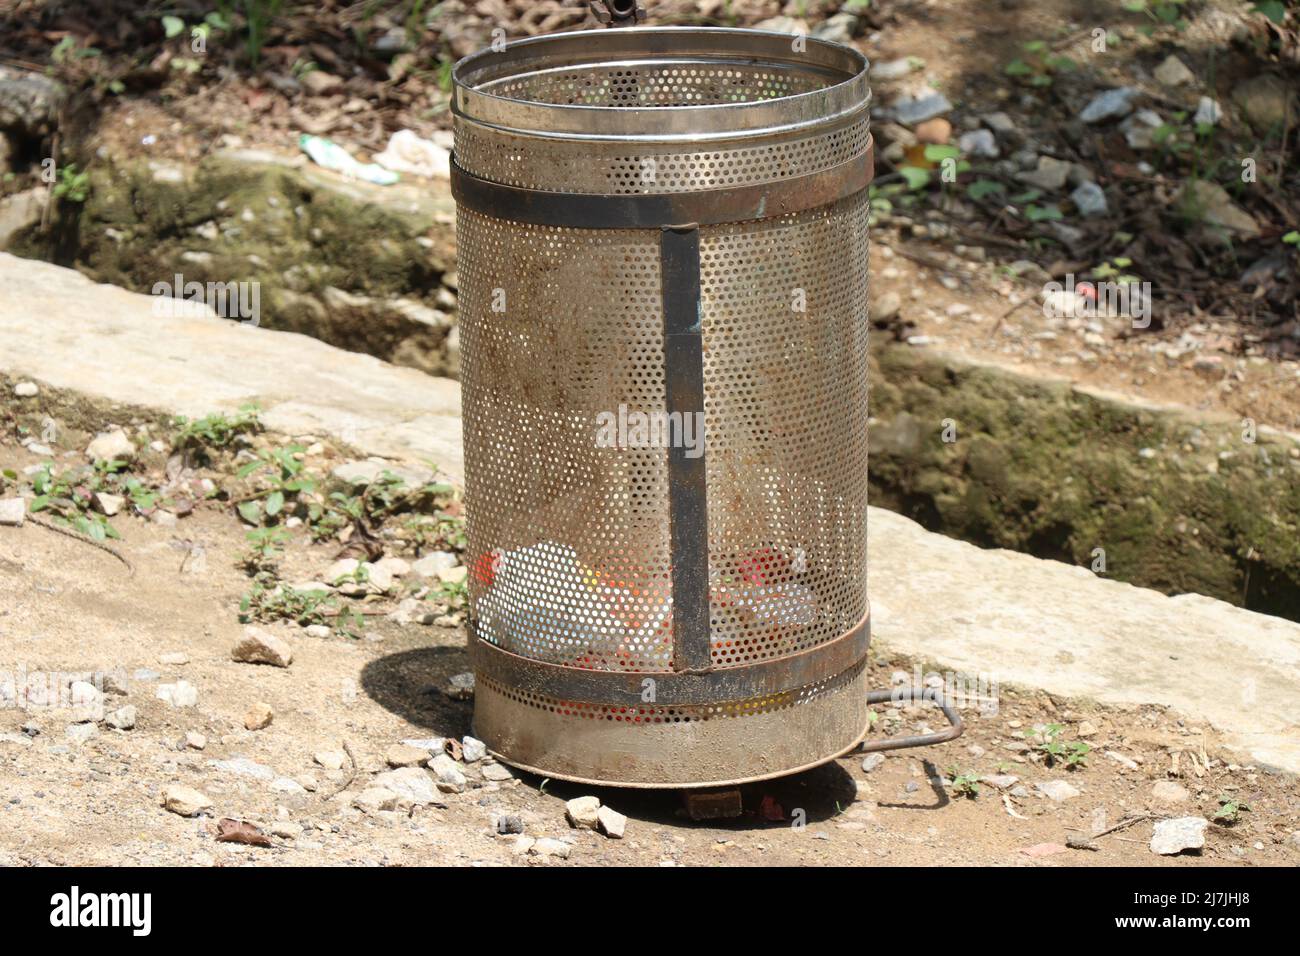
[872, 761]
[195, 740]
[80, 733]
[979, 142]
[1208, 111]
[1174, 72]
[1166, 791]
[379, 579]
[472, 749]
[581, 812]
[330, 759]
[548, 847]
[411, 783]
[106, 504]
[111, 445]
[174, 658]
[428, 566]
[183, 800]
[243, 767]
[259, 716]
[395, 567]
[1171, 837]
[1056, 790]
[13, 512]
[497, 773]
[180, 694]
[318, 630]
[375, 799]
[611, 823]
[1111, 104]
[404, 755]
[26, 390]
[261, 647]
[413, 611]
[121, 719]
[1091, 200]
[450, 777]
[455, 575]
[286, 785]
[910, 110]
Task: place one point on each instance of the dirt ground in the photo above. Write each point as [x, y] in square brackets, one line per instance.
[69, 608]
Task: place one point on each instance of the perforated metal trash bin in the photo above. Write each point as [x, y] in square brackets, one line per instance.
[663, 306]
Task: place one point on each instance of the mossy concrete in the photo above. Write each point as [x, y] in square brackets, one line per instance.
[1174, 502]
[355, 265]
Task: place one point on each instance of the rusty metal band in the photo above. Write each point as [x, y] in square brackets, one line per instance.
[688, 512]
[628, 688]
[641, 211]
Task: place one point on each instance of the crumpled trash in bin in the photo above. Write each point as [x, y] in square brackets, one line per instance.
[565, 612]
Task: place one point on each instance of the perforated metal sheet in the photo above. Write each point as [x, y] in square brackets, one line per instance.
[562, 330]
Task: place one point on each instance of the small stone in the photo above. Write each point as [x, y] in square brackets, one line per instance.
[510, 823]
[410, 783]
[1266, 100]
[180, 694]
[1090, 200]
[243, 767]
[330, 759]
[80, 733]
[1174, 72]
[1111, 104]
[1050, 174]
[26, 390]
[979, 142]
[886, 307]
[1171, 837]
[522, 845]
[258, 716]
[892, 69]
[839, 28]
[428, 566]
[496, 773]
[413, 611]
[910, 110]
[318, 631]
[121, 719]
[106, 504]
[547, 847]
[320, 83]
[1208, 112]
[461, 686]
[1212, 204]
[1086, 728]
[375, 799]
[174, 658]
[13, 512]
[872, 762]
[935, 131]
[581, 812]
[433, 745]
[401, 755]
[185, 801]
[195, 740]
[1000, 781]
[286, 829]
[611, 823]
[111, 446]
[1056, 790]
[1168, 792]
[260, 647]
[456, 575]
[286, 785]
[1001, 123]
[472, 749]
[451, 779]
[379, 580]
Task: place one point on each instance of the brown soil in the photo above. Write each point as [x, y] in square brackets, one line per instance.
[72, 608]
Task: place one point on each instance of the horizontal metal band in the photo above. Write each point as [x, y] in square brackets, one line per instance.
[626, 688]
[703, 207]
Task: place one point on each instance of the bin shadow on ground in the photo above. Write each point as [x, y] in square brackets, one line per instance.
[411, 684]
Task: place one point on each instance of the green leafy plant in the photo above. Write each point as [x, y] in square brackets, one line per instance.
[1166, 12]
[1039, 65]
[268, 601]
[265, 547]
[1116, 268]
[215, 431]
[964, 784]
[258, 17]
[282, 478]
[1073, 754]
[67, 496]
[1230, 810]
[73, 184]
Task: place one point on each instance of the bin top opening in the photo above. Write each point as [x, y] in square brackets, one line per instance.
[661, 83]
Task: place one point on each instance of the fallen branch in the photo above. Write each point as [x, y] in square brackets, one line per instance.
[75, 536]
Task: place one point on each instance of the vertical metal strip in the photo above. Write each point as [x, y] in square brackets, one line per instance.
[679, 266]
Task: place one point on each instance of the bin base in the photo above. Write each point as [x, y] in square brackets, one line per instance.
[659, 748]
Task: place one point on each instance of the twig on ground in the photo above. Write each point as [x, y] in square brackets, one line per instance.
[75, 536]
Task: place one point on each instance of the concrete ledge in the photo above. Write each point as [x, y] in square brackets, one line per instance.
[62, 329]
[1016, 618]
